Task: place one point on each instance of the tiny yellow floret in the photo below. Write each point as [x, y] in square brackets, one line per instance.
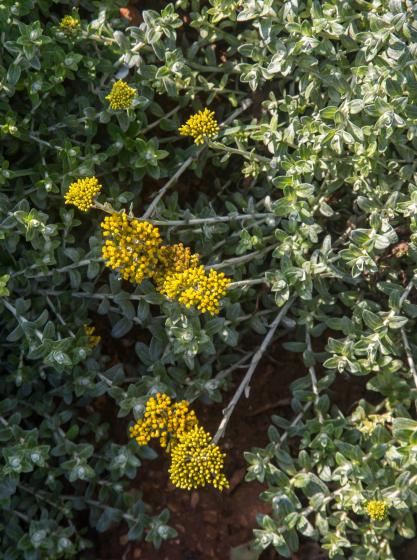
[196, 461]
[121, 96]
[69, 23]
[163, 420]
[131, 247]
[202, 126]
[93, 339]
[377, 510]
[82, 192]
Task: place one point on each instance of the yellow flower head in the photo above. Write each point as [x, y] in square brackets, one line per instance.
[131, 247]
[368, 425]
[173, 259]
[201, 126]
[82, 193]
[196, 461]
[93, 339]
[121, 95]
[69, 23]
[377, 510]
[194, 288]
[164, 420]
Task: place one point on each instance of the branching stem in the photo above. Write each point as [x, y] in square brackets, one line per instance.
[313, 375]
[249, 282]
[407, 291]
[152, 207]
[108, 209]
[242, 258]
[228, 411]
[244, 153]
[299, 416]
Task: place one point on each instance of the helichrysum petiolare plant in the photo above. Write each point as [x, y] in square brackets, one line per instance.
[307, 199]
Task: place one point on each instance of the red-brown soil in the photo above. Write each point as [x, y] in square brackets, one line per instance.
[211, 524]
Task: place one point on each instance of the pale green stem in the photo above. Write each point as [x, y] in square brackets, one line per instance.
[154, 124]
[98, 38]
[407, 291]
[244, 384]
[243, 258]
[132, 297]
[313, 375]
[249, 282]
[205, 68]
[152, 207]
[45, 143]
[58, 315]
[108, 209]
[218, 90]
[95, 503]
[213, 219]
[295, 421]
[288, 323]
[134, 49]
[20, 319]
[21, 516]
[240, 363]
[248, 155]
[45, 500]
[72, 266]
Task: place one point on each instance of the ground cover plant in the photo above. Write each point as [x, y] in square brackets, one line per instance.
[207, 178]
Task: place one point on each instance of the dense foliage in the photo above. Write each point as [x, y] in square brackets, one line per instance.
[305, 196]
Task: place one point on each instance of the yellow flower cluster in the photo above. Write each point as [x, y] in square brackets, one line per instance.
[164, 420]
[196, 462]
[135, 249]
[201, 126]
[93, 339]
[193, 287]
[69, 23]
[131, 247]
[377, 510]
[82, 193]
[121, 95]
